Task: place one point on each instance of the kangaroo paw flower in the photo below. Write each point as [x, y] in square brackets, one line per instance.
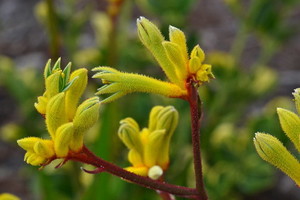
[149, 147]
[173, 58]
[66, 121]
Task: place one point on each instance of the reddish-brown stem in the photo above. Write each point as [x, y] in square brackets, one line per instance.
[165, 195]
[86, 156]
[195, 111]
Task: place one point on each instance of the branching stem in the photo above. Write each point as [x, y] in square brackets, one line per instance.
[86, 156]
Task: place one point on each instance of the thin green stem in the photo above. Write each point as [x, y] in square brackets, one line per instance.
[195, 110]
[53, 30]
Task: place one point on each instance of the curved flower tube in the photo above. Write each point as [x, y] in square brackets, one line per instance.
[272, 150]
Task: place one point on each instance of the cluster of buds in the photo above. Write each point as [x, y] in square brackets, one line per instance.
[149, 147]
[172, 56]
[66, 121]
[273, 151]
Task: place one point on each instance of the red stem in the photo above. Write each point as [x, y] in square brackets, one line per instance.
[165, 195]
[86, 156]
[195, 110]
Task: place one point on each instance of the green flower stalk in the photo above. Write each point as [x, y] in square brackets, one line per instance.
[271, 149]
[172, 56]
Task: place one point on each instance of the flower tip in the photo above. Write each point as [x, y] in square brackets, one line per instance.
[172, 28]
[279, 109]
[139, 19]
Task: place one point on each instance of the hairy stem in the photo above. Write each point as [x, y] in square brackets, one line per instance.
[86, 156]
[195, 110]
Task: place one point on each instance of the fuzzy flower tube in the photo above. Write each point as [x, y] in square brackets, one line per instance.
[272, 150]
[172, 56]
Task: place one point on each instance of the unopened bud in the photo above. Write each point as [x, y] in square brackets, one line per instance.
[155, 172]
[271, 150]
[290, 123]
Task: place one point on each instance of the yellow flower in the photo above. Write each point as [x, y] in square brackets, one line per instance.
[179, 67]
[38, 150]
[149, 147]
[7, 196]
[66, 121]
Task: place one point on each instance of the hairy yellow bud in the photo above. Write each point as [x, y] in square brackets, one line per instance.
[151, 37]
[55, 113]
[271, 150]
[290, 124]
[175, 56]
[63, 138]
[177, 36]
[86, 116]
[75, 91]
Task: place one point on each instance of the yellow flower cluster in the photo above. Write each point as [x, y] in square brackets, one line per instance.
[66, 120]
[179, 67]
[149, 147]
[273, 151]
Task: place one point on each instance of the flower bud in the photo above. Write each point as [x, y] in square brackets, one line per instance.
[151, 37]
[35, 159]
[135, 157]
[155, 147]
[290, 123]
[194, 64]
[41, 105]
[38, 150]
[167, 119]
[44, 148]
[177, 36]
[174, 54]
[155, 172]
[204, 74]
[86, 116]
[129, 134]
[198, 53]
[75, 91]
[149, 34]
[271, 150]
[28, 143]
[52, 84]
[153, 117]
[55, 113]
[63, 138]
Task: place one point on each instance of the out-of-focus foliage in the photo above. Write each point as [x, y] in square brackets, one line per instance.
[232, 168]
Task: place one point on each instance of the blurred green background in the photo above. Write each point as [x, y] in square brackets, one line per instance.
[253, 45]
